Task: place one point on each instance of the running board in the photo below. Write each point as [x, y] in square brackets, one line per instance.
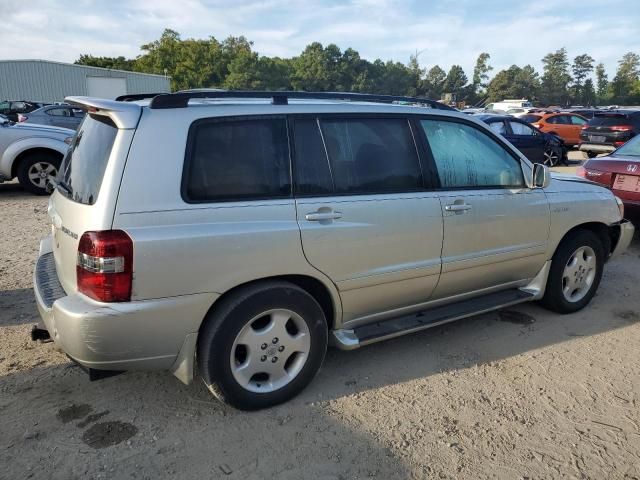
[348, 339]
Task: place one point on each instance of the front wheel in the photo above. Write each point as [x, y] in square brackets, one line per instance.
[263, 345]
[576, 270]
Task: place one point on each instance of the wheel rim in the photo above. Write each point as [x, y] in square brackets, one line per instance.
[41, 173]
[579, 274]
[270, 350]
[550, 157]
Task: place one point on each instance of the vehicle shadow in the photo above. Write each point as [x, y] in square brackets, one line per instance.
[14, 189]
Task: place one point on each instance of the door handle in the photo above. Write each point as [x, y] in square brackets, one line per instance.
[457, 207]
[319, 216]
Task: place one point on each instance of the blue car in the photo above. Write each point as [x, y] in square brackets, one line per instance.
[537, 146]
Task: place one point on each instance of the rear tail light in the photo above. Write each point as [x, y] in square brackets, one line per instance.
[581, 172]
[619, 144]
[104, 268]
[622, 128]
[22, 118]
[537, 125]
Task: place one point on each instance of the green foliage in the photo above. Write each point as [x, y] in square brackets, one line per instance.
[117, 63]
[233, 64]
[556, 78]
[515, 82]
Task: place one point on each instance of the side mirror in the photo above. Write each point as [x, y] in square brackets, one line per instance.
[541, 176]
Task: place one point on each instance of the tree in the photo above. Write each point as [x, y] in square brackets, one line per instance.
[515, 82]
[589, 96]
[117, 63]
[433, 83]
[624, 83]
[602, 84]
[416, 75]
[455, 81]
[480, 75]
[556, 78]
[581, 68]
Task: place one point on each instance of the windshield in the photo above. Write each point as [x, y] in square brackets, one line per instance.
[631, 148]
[87, 158]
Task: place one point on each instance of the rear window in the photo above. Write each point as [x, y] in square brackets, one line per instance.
[530, 118]
[608, 120]
[84, 165]
[237, 159]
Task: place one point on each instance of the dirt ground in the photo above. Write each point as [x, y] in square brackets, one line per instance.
[521, 394]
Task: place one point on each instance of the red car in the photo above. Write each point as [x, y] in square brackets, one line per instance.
[619, 171]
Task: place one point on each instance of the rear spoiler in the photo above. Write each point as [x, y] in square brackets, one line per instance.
[124, 114]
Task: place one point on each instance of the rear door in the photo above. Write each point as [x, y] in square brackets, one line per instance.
[495, 228]
[364, 215]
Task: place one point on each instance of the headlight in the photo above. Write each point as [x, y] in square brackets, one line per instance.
[620, 207]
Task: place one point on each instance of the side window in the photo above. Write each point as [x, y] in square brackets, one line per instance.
[4, 107]
[237, 160]
[521, 129]
[19, 107]
[576, 120]
[58, 112]
[498, 127]
[467, 157]
[559, 120]
[372, 155]
[312, 172]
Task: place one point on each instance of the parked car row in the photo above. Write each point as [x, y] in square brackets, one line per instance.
[57, 115]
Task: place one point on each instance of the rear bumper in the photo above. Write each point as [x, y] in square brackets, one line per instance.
[138, 335]
[596, 147]
[626, 235]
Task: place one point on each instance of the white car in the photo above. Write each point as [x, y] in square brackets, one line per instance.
[32, 153]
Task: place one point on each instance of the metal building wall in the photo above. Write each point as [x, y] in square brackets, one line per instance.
[41, 80]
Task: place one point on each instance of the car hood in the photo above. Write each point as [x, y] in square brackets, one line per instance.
[37, 129]
[564, 182]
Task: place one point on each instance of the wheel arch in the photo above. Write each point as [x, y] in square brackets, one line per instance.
[33, 151]
[327, 297]
[608, 234]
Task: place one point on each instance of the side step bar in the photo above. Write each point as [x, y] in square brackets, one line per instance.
[348, 339]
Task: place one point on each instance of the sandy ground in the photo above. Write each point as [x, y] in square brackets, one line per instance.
[528, 394]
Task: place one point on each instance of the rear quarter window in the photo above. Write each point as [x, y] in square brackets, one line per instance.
[237, 159]
[84, 165]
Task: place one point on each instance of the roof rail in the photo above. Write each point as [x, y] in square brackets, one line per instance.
[136, 96]
[181, 99]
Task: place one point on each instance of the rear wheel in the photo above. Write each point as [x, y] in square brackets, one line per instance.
[36, 171]
[576, 270]
[263, 345]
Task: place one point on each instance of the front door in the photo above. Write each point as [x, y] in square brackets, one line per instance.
[365, 218]
[495, 228]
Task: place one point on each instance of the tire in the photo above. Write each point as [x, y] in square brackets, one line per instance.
[245, 333]
[552, 156]
[585, 251]
[35, 171]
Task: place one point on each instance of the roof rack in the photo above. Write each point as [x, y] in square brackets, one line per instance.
[181, 99]
[136, 96]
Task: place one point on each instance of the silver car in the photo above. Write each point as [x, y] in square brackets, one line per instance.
[236, 235]
[64, 116]
[32, 153]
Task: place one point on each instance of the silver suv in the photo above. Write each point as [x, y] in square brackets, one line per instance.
[239, 233]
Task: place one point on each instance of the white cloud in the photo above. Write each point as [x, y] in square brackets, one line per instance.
[449, 32]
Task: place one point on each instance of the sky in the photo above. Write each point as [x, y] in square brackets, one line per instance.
[444, 32]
